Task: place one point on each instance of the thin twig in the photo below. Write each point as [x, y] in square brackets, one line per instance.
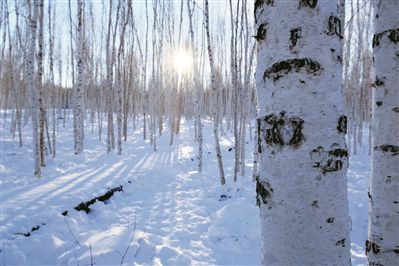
[70, 230]
[77, 260]
[91, 256]
[131, 239]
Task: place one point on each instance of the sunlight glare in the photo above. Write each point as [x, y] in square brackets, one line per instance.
[183, 61]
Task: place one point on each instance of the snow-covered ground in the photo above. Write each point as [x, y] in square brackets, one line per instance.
[167, 213]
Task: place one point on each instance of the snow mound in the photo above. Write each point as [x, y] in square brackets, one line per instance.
[234, 223]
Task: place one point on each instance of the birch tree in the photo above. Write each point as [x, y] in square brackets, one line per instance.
[79, 85]
[215, 117]
[51, 17]
[125, 14]
[382, 246]
[197, 86]
[39, 80]
[301, 186]
[32, 85]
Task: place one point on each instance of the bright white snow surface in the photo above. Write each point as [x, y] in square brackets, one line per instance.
[167, 214]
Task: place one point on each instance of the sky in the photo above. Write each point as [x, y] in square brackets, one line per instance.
[219, 19]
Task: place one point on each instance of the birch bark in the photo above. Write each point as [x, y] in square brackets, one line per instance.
[79, 85]
[214, 96]
[301, 187]
[40, 72]
[382, 246]
[32, 85]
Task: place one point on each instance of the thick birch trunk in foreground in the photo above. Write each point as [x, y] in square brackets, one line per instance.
[301, 186]
[382, 246]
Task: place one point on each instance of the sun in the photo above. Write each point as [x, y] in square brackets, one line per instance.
[183, 61]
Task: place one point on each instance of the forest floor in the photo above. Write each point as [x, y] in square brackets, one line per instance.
[167, 213]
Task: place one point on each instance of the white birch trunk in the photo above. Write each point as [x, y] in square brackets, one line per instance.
[79, 85]
[32, 85]
[51, 17]
[197, 87]
[214, 97]
[301, 187]
[382, 246]
[40, 72]
[233, 70]
[119, 82]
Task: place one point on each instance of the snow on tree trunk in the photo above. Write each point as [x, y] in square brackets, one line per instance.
[382, 246]
[79, 81]
[32, 85]
[301, 186]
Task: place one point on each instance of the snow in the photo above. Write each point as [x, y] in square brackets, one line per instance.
[167, 213]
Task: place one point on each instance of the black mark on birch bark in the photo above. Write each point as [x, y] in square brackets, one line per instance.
[282, 68]
[263, 192]
[334, 26]
[396, 109]
[378, 103]
[394, 149]
[373, 247]
[393, 36]
[307, 3]
[294, 36]
[258, 4]
[340, 242]
[342, 124]
[315, 204]
[279, 130]
[259, 121]
[329, 160]
[378, 82]
[261, 32]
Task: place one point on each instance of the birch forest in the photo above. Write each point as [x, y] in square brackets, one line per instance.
[212, 132]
